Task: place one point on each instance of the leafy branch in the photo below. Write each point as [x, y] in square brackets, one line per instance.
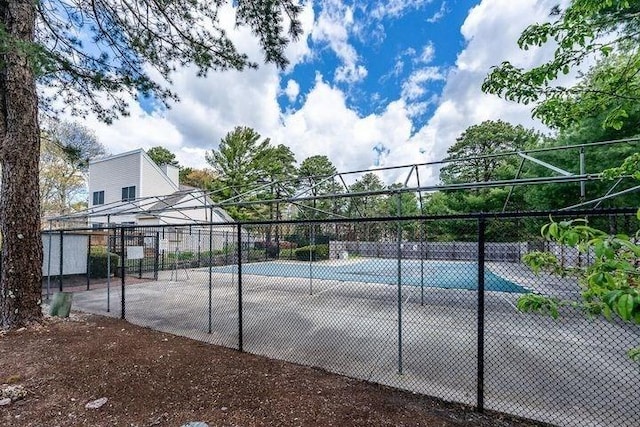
[610, 284]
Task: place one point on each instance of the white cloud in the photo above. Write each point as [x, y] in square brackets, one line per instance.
[292, 90]
[428, 53]
[350, 73]
[298, 50]
[439, 14]
[326, 126]
[323, 123]
[415, 86]
[491, 30]
[410, 54]
[333, 26]
[396, 8]
[138, 130]
[211, 107]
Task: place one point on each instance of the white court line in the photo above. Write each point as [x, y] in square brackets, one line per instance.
[509, 302]
[314, 294]
[408, 298]
[410, 295]
[326, 290]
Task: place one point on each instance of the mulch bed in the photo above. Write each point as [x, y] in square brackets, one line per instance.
[152, 378]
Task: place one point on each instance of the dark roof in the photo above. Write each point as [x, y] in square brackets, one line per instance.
[179, 196]
[169, 201]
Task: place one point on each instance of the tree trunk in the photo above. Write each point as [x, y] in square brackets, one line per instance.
[21, 276]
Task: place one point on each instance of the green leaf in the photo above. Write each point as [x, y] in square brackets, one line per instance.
[606, 50]
[571, 238]
[634, 354]
[625, 307]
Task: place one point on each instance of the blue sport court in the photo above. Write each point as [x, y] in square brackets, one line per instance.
[433, 274]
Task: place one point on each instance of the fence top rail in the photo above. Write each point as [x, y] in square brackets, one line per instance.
[469, 216]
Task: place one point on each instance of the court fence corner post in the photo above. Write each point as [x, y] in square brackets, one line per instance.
[480, 338]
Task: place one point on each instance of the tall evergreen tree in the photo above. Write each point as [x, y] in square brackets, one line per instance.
[47, 42]
[236, 162]
[162, 156]
[477, 143]
[317, 177]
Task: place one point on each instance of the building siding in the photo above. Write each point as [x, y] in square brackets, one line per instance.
[153, 182]
[112, 175]
[137, 169]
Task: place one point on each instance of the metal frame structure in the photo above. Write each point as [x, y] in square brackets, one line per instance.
[410, 184]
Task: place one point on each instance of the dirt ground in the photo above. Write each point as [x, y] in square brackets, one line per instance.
[157, 379]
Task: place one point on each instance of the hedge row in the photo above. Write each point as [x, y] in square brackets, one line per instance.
[98, 264]
[315, 252]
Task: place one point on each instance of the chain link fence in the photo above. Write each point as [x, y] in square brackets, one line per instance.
[423, 304]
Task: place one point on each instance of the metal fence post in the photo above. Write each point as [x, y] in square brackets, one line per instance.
[422, 257]
[122, 272]
[48, 263]
[156, 256]
[163, 249]
[88, 261]
[312, 245]
[480, 368]
[399, 256]
[61, 260]
[140, 243]
[240, 287]
[210, 272]
[226, 248]
[109, 264]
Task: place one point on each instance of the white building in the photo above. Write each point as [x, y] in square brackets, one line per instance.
[130, 188]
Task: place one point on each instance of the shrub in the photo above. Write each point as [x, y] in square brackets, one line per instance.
[287, 250]
[315, 252]
[181, 256]
[98, 264]
[255, 254]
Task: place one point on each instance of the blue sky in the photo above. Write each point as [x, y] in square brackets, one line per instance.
[390, 48]
[370, 83]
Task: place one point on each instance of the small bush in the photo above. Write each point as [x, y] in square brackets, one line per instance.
[181, 256]
[255, 254]
[289, 254]
[316, 253]
[287, 250]
[98, 264]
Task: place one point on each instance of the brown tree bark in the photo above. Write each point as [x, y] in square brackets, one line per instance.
[21, 275]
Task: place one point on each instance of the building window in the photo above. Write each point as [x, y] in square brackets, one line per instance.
[128, 193]
[98, 198]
